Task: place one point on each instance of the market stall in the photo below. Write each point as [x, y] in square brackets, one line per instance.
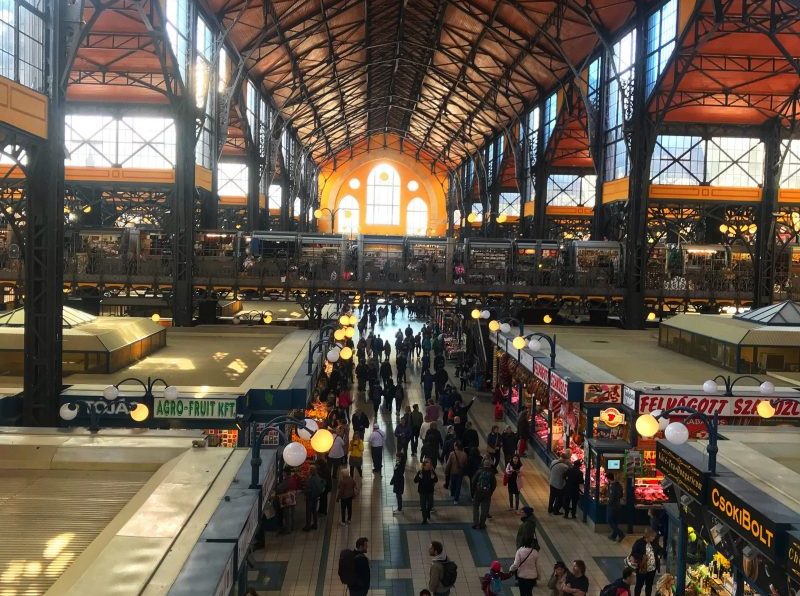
[726, 535]
[426, 260]
[381, 258]
[488, 261]
[535, 262]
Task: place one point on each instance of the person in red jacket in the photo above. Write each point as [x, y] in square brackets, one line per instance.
[621, 587]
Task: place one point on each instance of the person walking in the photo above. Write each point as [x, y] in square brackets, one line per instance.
[376, 440]
[645, 558]
[492, 582]
[470, 437]
[427, 384]
[523, 430]
[432, 445]
[558, 467]
[354, 568]
[510, 442]
[324, 470]
[416, 425]
[402, 434]
[401, 362]
[485, 485]
[375, 394]
[443, 571]
[474, 463]
[387, 350]
[360, 422]
[526, 533]
[455, 466]
[573, 480]
[614, 492]
[526, 566]
[356, 454]
[426, 480]
[313, 489]
[398, 482]
[346, 490]
[399, 398]
[513, 481]
[343, 401]
[494, 444]
[337, 455]
[389, 392]
[385, 371]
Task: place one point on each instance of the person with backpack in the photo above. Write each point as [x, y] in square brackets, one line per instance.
[444, 572]
[354, 568]
[492, 582]
[645, 558]
[622, 586]
[426, 480]
[485, 484]
[526, 567]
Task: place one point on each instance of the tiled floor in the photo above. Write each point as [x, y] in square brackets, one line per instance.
[305, 563]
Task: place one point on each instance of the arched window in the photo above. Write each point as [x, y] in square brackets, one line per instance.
[417, 217]
[344, 224]
[383, 196]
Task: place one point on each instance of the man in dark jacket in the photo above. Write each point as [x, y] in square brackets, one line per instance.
[426, 480]
[622, 586]
[485, 485]
[416, 424]
[401, 362]
[324, 471]
[314, 488]
[527, 529]
[432, 446]
[573, 480]
[469, 437]
[361, 578]
[360, 422]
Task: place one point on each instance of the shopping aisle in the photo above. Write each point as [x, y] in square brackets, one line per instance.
[305, 563]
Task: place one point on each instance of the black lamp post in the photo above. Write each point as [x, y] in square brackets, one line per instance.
[647, 425]
[551, 341]
[729, 382]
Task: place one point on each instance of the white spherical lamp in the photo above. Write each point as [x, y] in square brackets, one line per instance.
[485, 314]
[311, 427]
[333, 355]
[710, 386]
[171, 392]
[535, 345]
[676, 433]
[765, 409]
[505, 327]
[294, 454]
[68, 411]
[111, 393]
[663, 421]
[322, 441]
[647, 425]
[767, 388]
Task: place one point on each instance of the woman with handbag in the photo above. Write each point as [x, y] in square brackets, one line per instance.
[645, 558]
[526, 567]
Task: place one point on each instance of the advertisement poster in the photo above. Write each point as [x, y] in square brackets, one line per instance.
[602, 393]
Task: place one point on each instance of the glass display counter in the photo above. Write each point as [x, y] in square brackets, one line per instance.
[603, 457]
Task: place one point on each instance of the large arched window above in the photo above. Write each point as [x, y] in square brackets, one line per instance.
[348, 215]
[383, 196]
[417, 217]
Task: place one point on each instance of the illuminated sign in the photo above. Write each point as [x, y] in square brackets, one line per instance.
[681, 472]
[743, 519]
[602, 393]
[726, 407]
[611, 417]
[195, 409]
[793, 554]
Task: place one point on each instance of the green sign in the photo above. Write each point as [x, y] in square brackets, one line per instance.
[205, 408]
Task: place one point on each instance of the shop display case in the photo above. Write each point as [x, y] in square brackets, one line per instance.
[426, 259]
[647, 488]
[488, 261]
[320, 256]
[382, 257]
[535, 261]
[603, 456]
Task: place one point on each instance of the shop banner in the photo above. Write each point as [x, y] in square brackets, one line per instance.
[731, 407]
[225, 585]
[602, 393]
[541, 371]
[559, 385]
[195, 409]
[629, 397]
[681, 472]
[793, 554]
[737, 512]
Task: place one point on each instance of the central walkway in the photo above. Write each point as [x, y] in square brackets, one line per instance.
[305, 563]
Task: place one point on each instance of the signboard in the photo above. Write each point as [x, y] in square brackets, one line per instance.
[225, 585]
[681, 472]
[119, 409]
[559, 385]
[742, 518]
[793, 554]
[634, 463]
[730, 407]
[195, 409]
[248, 532]
[629, 397]
[526, 360]
[602, 393]
[541, 371]
[612, 417]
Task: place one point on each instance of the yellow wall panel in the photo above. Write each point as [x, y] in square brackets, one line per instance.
[616, 190]
[789, 195]
[130, 175]
[202, 177]
[705, 193]
[23, 108]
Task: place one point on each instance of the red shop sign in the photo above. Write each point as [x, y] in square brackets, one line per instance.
[541, 371]
[558, 385]
[723, 406]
